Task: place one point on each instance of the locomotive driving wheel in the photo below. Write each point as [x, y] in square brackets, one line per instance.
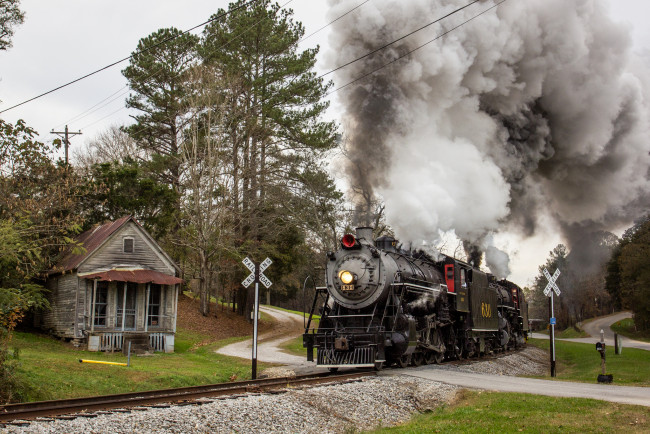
[403, 361]
[437, 341]
[417, 358]
[453, 350]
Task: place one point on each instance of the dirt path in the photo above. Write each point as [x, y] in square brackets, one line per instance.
[288, 326]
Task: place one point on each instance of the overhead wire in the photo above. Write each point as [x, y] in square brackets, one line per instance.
[153, 74]
[239, 36]
[437, 20]
[129, 57]
[374, 51]
[415, 49]
[370, 53]
[302, 39]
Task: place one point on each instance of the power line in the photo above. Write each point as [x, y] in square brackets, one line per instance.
[227, 43]
[333, 21]
[399, 39]
[415, 49]
[153, 74]
[130, 57]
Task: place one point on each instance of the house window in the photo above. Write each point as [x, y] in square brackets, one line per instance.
[101, 301]
[128, 245]
[153, 316]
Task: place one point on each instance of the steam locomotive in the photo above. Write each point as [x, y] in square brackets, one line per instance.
[386, 306]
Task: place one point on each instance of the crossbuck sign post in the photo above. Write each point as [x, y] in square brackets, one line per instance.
[256, 276]
[548, 291]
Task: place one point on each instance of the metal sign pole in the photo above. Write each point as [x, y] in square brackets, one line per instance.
[552, 339]
[548, 291]
[255, 314]
[256, 276]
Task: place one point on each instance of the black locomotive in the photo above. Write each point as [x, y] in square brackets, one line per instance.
[382, 305]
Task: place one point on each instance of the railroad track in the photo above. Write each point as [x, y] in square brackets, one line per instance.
[80, 407]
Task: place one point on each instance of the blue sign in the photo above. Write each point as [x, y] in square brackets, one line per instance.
[552, 320]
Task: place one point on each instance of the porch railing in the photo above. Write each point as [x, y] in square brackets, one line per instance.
[114, 341]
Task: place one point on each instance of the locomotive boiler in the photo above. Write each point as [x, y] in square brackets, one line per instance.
[382, 305]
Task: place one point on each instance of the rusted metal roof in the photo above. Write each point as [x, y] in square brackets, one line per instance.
[90, 240]
[137, 276]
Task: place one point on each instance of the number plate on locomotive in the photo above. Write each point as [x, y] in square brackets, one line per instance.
[347, 287]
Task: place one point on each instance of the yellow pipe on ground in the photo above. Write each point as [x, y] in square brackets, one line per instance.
[102, 363]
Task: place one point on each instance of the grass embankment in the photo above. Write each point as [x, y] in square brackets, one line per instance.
[581, 362]
[50, 369]
[512, 412]
[626, 328]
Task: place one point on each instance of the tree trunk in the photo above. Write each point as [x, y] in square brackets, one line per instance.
[204, 307]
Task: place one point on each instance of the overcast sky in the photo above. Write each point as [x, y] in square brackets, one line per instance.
[62, 40]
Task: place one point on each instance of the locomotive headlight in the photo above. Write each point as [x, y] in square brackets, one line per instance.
[346, 277]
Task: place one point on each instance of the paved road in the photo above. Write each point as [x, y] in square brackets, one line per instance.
[502, 383]
[604, 323]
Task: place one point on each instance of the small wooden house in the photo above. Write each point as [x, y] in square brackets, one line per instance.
[124, 287]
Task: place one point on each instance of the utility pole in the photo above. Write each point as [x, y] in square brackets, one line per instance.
[66, 140]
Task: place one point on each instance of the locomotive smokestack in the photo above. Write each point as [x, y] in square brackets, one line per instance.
[365, 233]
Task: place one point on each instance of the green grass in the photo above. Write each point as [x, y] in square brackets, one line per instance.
[626, 328]
[50, 369]
[491, 412]
[581, 362]
[297, 312]
[569, 333]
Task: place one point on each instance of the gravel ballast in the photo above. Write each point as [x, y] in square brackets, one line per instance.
[370, 403]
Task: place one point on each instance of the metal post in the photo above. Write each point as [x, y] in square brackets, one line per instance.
[128, 356]
[255, 314]
[602, 353]
[552, 339]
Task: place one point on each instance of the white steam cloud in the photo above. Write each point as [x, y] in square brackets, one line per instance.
[534, 107]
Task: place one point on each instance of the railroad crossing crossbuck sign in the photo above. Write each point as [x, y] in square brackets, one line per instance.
[551, 282]
[261, 277]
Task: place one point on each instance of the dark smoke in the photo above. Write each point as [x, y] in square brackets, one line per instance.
[473, 252]
[537, 109]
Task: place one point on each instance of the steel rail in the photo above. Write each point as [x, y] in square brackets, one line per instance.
[32, 410]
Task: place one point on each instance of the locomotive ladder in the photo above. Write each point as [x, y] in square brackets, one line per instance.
[389, 304]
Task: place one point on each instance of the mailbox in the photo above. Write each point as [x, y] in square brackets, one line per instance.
[600, 346]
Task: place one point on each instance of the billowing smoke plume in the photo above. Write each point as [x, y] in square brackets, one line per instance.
[531, 108]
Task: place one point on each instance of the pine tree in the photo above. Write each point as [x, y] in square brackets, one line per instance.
[157, 77]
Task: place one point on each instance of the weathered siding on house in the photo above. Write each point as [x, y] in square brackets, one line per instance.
[112, 252]
[60, 318]
[71, 296]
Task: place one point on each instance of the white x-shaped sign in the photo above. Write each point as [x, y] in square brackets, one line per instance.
[551, 282]
[251, 277]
